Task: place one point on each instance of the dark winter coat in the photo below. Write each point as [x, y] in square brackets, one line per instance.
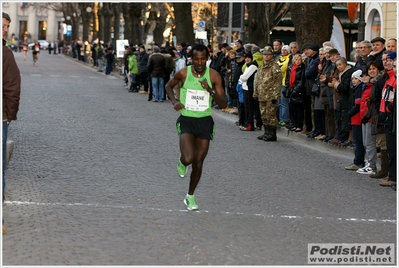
[298, 91]
[11, 85]
[156, 65]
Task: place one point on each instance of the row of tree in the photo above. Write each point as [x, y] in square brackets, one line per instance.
[312, 21]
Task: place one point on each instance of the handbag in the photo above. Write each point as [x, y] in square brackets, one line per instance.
[316, 87]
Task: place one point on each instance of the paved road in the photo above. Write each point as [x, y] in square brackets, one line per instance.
[92, 181]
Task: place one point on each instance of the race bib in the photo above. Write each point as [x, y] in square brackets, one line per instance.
[197, 100]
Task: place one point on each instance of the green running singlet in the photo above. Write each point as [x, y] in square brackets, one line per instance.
[197, 101]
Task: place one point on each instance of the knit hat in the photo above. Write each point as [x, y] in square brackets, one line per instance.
[357, 74]
[391, 55]
[286, 47]
[239, 41]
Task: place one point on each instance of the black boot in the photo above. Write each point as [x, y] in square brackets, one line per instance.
[135, 88]
[261, 137]
[272, 134]
[131, 88]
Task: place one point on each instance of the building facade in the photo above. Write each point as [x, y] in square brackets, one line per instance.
[381, 20]
[33, 22]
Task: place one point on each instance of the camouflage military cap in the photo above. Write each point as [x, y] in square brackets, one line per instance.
[267, 50]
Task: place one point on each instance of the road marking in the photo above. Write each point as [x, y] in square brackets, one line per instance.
[201, 211]
[35, 75]
[75, 76]
[94, 77]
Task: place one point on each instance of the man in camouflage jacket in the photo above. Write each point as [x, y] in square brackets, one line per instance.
[267, 91]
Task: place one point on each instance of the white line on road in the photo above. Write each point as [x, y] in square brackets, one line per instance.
[35, 75]
[200, 211]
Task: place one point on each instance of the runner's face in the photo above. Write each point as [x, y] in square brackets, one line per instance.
[199, 60]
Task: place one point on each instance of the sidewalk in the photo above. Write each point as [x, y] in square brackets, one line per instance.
[284, 133]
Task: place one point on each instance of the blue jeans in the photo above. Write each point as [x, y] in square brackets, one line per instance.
[284, 107]
[357, 140]
[108, 69]
[5, 132]
[229, 104]
[158, 88]
[133, 78]
[100, 65]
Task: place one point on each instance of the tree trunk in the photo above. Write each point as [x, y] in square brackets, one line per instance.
[184, 30]
[263, 17]
[75, 27]
[158, 31]
[313, 22]
[126, 10]
[117, 8]
[256, 27]
[100, 25]
[136, 17]
[86, 17]
[107, 14]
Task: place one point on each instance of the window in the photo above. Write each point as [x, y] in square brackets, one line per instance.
[375, 24]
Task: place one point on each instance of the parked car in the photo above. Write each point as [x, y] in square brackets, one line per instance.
[43, 44]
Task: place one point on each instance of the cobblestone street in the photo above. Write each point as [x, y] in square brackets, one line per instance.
[92, 181]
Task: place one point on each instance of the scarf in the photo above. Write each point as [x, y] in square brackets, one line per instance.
[293, 75]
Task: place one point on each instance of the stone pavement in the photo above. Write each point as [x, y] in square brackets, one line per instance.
[92, 181]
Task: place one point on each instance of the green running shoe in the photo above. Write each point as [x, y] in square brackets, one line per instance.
[181, 169]
[190, 202]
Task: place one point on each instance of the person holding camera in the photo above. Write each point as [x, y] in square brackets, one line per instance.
[387, 117]
[268, 83]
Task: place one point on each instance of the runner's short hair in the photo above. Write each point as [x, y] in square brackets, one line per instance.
[200, 47]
